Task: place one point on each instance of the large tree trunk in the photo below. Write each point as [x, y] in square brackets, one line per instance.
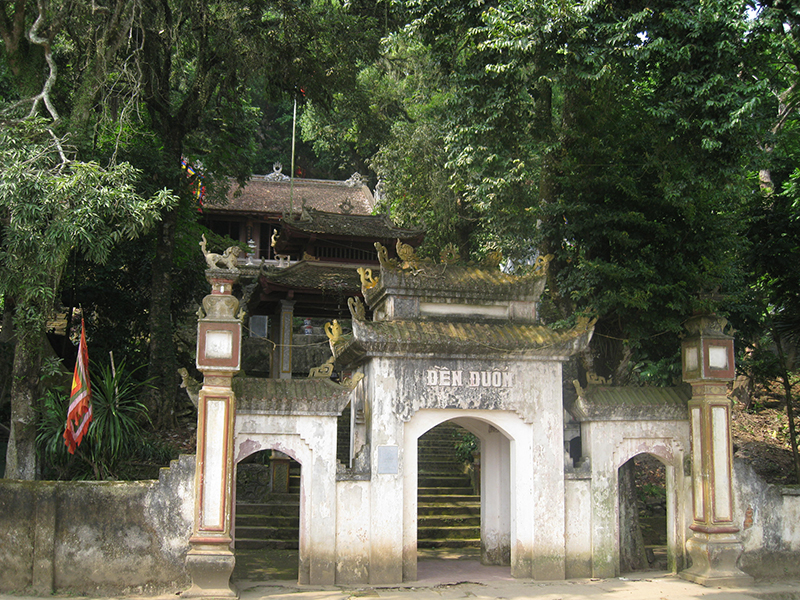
[21, 459]
[163, 367]
[785, 365]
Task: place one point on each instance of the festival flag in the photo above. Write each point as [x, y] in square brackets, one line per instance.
[80, 400]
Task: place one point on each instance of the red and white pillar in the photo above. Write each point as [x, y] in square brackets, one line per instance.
[714, 546]
[210, 560]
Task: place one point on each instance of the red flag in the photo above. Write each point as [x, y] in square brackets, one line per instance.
[80, 400]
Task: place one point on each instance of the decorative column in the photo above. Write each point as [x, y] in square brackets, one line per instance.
[282, 332]
[708, 366]
[210, 560]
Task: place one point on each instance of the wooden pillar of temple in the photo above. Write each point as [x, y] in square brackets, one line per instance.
[282, 334]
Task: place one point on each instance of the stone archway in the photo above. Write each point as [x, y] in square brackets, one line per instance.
[266, 516]
[505, 530]
[313, 534]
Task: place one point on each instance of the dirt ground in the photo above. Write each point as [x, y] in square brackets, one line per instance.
[761, 435]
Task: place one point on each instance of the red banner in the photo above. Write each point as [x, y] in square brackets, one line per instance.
[80, 400]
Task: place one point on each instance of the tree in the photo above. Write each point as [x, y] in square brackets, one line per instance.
[197, 60]
[51, 205]
[154, 82]
[771, 329]
[608, 136]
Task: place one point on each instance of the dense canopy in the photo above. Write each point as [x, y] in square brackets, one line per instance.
[649, 147]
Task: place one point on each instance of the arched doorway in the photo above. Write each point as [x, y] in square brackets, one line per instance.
[669, 453]
[448, 493]
[266, 517]
[499, 494]
[289, 445]
[642, 514]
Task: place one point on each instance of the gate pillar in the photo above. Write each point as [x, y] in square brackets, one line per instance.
[210, 560]
[714, 546]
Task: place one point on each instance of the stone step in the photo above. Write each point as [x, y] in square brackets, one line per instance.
[435, 468]
[446, 491]
[271, 499]
[449, 543]
[265, 544]
[442, 480]
[266, 533]
[455, 509]
[447, 498]
[448, 533]
[291, 520]
[438, 521]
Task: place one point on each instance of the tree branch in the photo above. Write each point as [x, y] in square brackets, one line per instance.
[44, 95]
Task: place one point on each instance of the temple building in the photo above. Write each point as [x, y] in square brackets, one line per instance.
[307, 237]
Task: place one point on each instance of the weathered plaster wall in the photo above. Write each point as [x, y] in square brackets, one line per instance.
[97, 537]
[769, 518]
[578, 503]
[386, 486]
[352, 532]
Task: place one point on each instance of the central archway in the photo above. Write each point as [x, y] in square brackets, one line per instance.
[504, 439]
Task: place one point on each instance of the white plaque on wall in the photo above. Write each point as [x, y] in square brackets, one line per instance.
[722, 465]
[690, 358]
[388, 460]
[718, 357]
[214, 469]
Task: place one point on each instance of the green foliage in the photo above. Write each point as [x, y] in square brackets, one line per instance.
[50, 441]
[465, 443]
[51, 205]
[650, 490]
[609, 136]
[115, 442]
[119, 414]
[663, 372]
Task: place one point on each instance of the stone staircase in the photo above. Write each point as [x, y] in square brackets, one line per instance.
[448, 511]
[268, 520]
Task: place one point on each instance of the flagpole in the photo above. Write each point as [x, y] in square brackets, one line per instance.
[291, 180]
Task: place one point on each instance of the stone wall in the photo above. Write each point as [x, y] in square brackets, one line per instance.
[769, 518]
[100, 538]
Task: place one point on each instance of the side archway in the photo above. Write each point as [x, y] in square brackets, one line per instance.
[671, 453]
[605, 493]
[316, 453]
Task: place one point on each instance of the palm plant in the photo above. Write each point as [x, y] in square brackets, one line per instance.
[116, 431]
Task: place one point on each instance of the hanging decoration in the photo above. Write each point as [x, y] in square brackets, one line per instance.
[195, 182]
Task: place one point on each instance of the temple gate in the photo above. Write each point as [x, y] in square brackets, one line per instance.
[445, 342]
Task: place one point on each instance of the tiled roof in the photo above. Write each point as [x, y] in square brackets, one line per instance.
[458, 283]
[447, 337]
[263, 195]
[376, 227]
[289, 396]
[623, 403]
[315, 275]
